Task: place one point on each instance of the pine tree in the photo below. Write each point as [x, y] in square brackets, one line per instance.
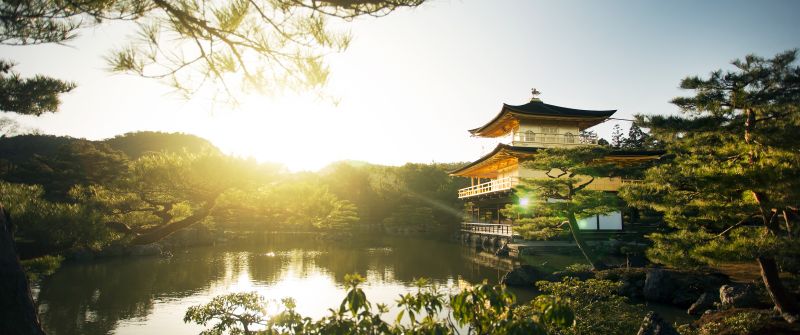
[563, 196]
[31, 96]
[731, 189]
[637, 139]
[236, 45]
[616, 137]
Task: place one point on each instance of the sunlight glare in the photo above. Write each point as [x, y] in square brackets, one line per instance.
[300, 132]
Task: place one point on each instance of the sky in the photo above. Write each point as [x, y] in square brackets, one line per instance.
[412, 83]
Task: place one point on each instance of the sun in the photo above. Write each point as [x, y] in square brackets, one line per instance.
[302, 133]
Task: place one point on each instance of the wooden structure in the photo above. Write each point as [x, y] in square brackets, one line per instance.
[488, 236]
[522, 131]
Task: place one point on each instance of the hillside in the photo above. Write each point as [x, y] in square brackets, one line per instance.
[136, 144]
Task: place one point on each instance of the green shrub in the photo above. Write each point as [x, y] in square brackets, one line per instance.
[578, 267]
[731, 322]
[51, 227]
[37, 268]
[597, 307]
[484, 309]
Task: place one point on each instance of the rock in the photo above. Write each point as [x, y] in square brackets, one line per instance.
[632, 280]
[653, 324]
[703, 304]
[502, 251]
[656, 286]
[739, 296]
[525, 275]
[145, 250]
[637, 261]
[679, 288]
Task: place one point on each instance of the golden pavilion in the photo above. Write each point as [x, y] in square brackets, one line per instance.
[521, 131]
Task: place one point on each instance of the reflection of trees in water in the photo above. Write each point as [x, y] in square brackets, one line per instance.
[383, 259]
[91, 298]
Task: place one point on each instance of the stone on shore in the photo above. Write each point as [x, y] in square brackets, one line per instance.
[704, 303]
[524, 275]
[653, 324]
[740, 296]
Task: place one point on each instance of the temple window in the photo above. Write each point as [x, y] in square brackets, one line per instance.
[550, 130]
[530, 136]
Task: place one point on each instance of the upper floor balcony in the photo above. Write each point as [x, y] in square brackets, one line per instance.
[530, 138]
[495, 185]
[508, 183]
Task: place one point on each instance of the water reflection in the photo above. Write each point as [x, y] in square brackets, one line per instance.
[150, 295]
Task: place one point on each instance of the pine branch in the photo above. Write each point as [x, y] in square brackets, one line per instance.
[737, 225]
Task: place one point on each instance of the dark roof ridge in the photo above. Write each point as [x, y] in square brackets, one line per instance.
[540, 108]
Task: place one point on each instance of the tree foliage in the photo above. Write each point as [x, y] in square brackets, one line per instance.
[263, 45]
[730, 191]
[291, 204]
[76, 162]
[141, 181]
[45, 227]
[637, 138]
[617, 137]
[563, 195]
[29, 96]
[483, 308]
[163, 193]
[598, 307]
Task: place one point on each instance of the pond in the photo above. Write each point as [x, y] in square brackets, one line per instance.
[149, 295]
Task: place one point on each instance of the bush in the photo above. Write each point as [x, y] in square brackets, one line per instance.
[485, 309]
[37, 268]
[597, 307]
[51, 227]
[737, 322]
[579, 267]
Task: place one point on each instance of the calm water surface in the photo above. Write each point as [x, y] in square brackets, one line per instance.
[149, 295]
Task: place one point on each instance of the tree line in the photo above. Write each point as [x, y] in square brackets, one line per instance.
[140, 187]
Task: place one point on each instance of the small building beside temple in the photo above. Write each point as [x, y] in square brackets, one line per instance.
[522, 130]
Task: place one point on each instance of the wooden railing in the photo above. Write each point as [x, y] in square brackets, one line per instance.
[495, 185]
[502, 184]
[527, 138]
[487, 228]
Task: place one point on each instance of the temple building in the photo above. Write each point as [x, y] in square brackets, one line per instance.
[521, 131]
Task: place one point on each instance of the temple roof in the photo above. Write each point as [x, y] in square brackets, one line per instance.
[504, 152]
[500, 153]
[536, 109]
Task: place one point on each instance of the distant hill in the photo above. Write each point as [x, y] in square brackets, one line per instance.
[17, 149]
[22, 148]
[136, 144]
[60, 162]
